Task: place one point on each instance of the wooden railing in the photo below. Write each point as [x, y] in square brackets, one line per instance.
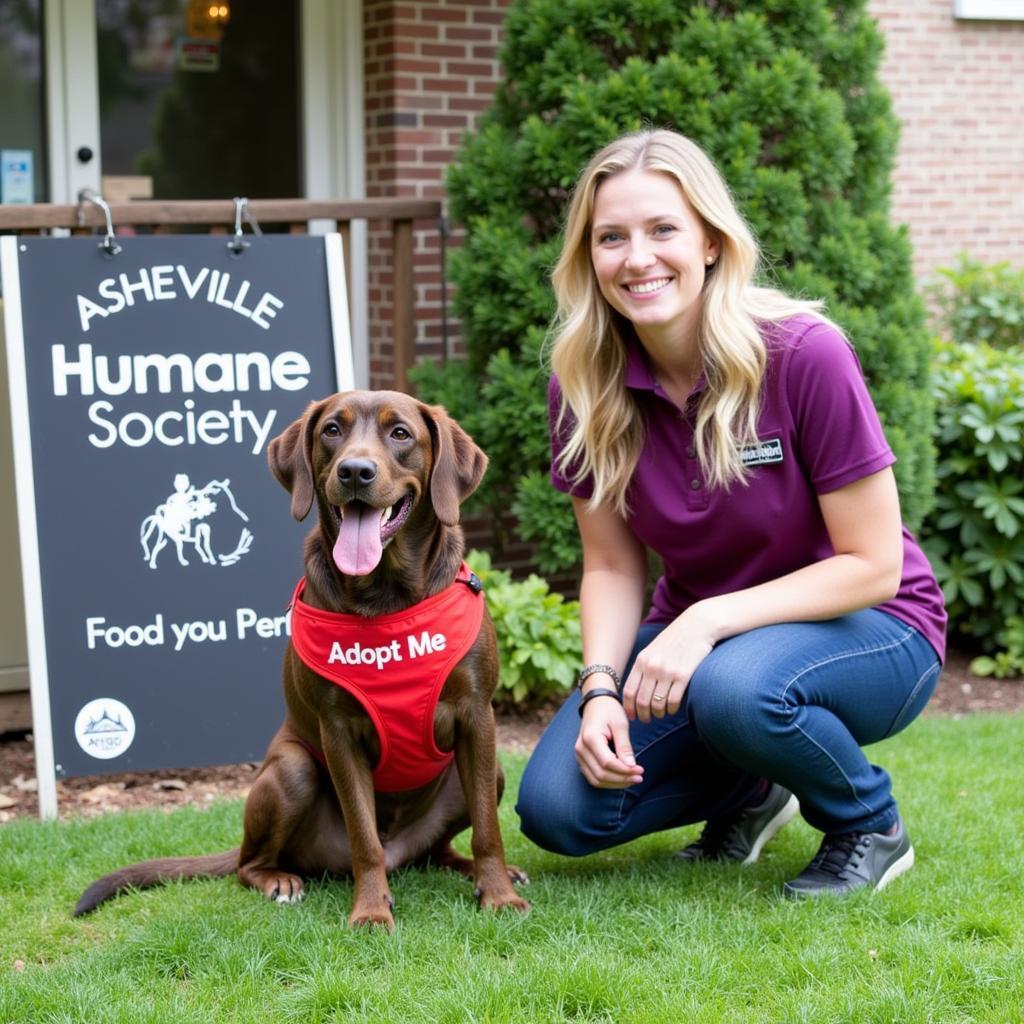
[217, 216]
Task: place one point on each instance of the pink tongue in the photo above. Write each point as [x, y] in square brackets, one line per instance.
[358, 548]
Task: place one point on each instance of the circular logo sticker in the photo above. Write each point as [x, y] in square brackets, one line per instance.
[105, 728]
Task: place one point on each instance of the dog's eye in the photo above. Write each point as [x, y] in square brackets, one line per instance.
[400, 434]
[331, 430]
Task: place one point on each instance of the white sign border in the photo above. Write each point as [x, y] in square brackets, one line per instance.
[24, 476]
[341, 324]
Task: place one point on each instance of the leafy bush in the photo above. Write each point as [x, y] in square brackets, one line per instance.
[538, 634]
[977, 302]
[1006, 663]
[975, 536]
[786, 99]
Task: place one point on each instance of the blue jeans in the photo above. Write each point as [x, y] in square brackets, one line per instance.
[792, 703]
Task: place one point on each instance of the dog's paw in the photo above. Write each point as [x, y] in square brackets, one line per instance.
[281, 888]
[373, 917]
[517, 875]
[498, 901]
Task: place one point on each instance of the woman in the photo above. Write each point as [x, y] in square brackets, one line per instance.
[726, 427]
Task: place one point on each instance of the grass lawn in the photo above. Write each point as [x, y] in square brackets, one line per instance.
[624, 936]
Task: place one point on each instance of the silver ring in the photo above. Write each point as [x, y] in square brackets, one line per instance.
[656, 696]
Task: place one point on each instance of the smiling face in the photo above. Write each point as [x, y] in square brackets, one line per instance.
[388, 474]
[650, 252]
[372, 458]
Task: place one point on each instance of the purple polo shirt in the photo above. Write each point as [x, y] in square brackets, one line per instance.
[817, 431]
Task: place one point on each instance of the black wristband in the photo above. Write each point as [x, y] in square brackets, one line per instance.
[598, 691]
[591, 670]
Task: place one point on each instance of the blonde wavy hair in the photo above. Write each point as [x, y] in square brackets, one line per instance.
[588, 352]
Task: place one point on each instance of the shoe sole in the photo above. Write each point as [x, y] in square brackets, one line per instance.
[896, 868]
[785, 815]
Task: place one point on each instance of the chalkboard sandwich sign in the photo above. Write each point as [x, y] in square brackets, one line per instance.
[158, 553]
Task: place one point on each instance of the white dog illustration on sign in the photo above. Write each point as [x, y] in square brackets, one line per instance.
[178, 520]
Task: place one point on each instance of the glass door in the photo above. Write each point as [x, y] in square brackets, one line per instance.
[23, 169]
[180, 98]
[199, 99]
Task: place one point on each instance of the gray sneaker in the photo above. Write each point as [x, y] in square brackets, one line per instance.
[854, 860]
[741, 836]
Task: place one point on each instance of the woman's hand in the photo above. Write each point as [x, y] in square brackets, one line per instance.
[603, 750]
[663, 669]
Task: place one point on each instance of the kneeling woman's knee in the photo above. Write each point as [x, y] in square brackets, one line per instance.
[554, 814]
[730, 703]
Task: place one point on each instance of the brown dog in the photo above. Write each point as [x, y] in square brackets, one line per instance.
[388, 475]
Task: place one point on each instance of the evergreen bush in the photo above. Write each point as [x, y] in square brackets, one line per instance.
[784, 95]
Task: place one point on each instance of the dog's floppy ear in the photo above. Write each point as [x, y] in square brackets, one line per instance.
[290, 456]
[459, 465]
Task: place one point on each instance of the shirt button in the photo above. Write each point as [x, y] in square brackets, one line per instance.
[695, 484]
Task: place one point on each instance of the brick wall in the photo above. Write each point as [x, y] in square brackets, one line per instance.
[958, 90]
[431, 68]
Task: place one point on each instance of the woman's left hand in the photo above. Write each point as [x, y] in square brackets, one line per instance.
[663, 669]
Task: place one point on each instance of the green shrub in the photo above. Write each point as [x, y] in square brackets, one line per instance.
[784, 95]
[538, 634]
[1008, 662]
[977, 302]
[975, 535]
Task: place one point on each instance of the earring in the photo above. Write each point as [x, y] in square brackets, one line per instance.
[710, 260]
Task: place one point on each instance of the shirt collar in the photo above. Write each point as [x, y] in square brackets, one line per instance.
[640, 376]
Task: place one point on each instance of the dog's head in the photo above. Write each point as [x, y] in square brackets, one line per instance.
[372, 459]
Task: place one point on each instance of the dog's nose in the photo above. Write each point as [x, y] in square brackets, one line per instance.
[357, 472]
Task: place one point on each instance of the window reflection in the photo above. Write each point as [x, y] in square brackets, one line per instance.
[199, 100]
[22, 114]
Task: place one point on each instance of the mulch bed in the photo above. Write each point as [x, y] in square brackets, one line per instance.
[958, 693]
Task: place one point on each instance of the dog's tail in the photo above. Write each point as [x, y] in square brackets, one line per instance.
[154, 872]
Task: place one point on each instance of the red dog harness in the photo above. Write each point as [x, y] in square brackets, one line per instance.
[395, 666]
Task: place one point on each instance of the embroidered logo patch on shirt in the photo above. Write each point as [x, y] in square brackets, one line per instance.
[762, 452]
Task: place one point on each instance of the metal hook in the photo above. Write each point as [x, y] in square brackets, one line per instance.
[87, 195]
[238, 245]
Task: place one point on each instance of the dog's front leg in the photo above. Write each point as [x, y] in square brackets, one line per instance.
[353, 782]
[477, 761]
